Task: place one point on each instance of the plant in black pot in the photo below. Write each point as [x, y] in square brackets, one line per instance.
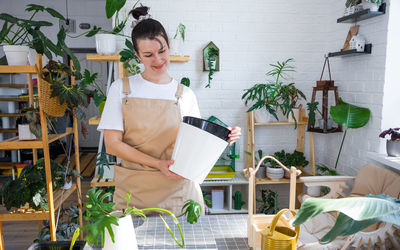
[393, 144]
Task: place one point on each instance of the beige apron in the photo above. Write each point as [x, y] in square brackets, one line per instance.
[151, 126]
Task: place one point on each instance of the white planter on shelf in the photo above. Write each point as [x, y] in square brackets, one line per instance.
[177, 47]
[24, 133]
[16, 54]
[321, 123]
[296, 113]
[32, 57]
[106, 43]
[124, 234]
[262, 115]
[275, 174]
[370, 6]
[67, 185]
[314, 191]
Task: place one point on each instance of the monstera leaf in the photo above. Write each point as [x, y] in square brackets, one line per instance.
[349, 116]
[356, 213]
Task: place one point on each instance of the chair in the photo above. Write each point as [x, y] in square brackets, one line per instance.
[371, 179]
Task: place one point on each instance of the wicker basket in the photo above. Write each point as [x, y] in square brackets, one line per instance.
[51, 105]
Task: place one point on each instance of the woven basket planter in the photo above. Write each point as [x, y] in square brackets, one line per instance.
[51, 105]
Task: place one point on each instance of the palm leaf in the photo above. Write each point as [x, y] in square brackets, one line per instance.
[349, 116]
[356, 213]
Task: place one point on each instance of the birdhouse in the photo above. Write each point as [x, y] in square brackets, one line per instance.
[211, 57]
[357, 42]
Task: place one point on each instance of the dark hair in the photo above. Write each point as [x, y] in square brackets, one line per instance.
[146, 29]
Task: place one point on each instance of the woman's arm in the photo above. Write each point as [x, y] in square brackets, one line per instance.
[115, 146]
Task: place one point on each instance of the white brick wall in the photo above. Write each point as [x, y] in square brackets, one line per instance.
[253, 34]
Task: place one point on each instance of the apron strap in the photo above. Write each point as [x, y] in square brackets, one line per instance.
[126, 88]
[179, 91]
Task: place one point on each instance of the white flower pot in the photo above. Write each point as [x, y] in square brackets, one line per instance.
[370, 6]
[32, 58]
[275, 174]
[393, 148]
[16, 54]
[296, 113]
[213, 64]
[321, 123]
[124, 234]
[67, 185]
[314, 191]
[106, 43]
[24, 133]
[261, 173]
[262, 115]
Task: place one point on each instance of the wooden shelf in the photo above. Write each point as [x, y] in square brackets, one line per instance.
[352, 52]
[362, 15]
[278, 123]
[60, 196]
[94, 120]
[179, 58]
[116, 58]
[8, 130]
[14, 99]
[11, 114]
[14, 143]
[101, 182]
[18, 69]
[320, 130]
[15, 86]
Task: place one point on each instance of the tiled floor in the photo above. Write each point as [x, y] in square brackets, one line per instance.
[211, 232]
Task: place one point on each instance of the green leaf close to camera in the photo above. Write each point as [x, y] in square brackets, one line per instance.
[349, 116]
[356, 213]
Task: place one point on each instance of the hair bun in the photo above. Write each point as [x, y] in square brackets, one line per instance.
[139, 11]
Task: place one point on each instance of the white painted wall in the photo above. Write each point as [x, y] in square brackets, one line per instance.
[253, 34]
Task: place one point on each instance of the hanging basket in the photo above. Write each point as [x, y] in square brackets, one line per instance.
[279, 237]
[51, 105]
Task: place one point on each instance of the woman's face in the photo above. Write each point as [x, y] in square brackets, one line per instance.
[154, 54]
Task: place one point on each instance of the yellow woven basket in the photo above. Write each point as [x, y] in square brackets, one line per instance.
[51, 105]
[279, 238]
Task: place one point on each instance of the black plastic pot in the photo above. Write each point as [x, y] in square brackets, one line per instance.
[59, 245]
[210, 127]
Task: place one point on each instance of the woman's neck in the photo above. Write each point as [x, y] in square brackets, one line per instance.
[160, 79]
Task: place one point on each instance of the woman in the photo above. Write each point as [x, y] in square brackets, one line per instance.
[141, 119]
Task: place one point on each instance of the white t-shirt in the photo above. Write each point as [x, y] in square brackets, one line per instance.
[111, 117]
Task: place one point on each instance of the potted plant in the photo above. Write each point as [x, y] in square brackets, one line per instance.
[393, 144]
[118, 223]
[312, 107]
[19, 34]
[352, 6]
[211, 63]
[275, 96]
[372, 5]
[128, 57]
[30, 187]
[269, 202]
[295, 159]
[349, 116]
[261, 173]
[68, 174]
[177, 42]
[355, 213]
[185, 81]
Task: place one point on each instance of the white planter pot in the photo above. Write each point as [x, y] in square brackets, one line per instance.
[67, 185]
[296, 113]
[32, 58]
[393, 148]
[321, 123]
[176, 47]
[275, 174]
[213, 64]
[262, 115]
[124, 234]
[16, 54]
[314, 191]
[120, 42]
[262, 172]
[106, 43]
[24, 133]
[370, 6]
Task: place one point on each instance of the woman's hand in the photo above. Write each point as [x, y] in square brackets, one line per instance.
[234, 135]
[163, 166]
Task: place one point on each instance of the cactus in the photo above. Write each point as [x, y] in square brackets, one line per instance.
[238, 203]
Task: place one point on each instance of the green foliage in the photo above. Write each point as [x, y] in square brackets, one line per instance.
[377, 2]
[101, 162]
[206, 200]
[269, 202]
[257, 156]
[192, 210]
[275, 95]
[356, 213]
[181, 29]
[312, 107]
[349, 116]
[211, 56]
[30, 186]
[100, 217]
[129, 58]
[185, 81]
[350, 3]
[295, 159]
[237, 199]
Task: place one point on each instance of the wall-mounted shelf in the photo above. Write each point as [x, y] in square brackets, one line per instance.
[116, 57]
[362, 15]
[352, 52]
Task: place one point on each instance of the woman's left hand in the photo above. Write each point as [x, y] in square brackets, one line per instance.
[234, 135]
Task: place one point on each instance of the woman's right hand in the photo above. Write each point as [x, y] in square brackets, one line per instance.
[163, 166]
